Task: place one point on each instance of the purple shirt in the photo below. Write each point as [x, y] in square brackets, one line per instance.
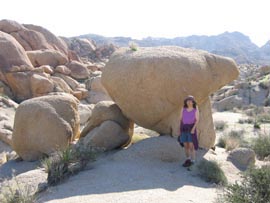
[189, 117]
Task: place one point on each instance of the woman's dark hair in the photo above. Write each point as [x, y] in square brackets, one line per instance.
[193, 101]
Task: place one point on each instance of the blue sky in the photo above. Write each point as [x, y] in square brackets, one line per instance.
[143, 18]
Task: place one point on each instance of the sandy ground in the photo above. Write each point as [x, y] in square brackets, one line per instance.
[149, 171]
[124, 180]
[232, 121]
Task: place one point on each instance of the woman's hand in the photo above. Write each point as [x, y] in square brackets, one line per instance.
[192, 131]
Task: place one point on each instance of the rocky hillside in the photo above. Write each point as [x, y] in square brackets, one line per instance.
[234, 44]
[251, 88]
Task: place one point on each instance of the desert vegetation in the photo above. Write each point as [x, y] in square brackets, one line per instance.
[67, 162]
[254, 187]
[210, 171]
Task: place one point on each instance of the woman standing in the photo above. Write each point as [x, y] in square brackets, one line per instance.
[189, 118]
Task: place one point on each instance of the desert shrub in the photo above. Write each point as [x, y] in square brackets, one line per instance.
[253, 111]
[238, 134]
[65, 163]
[221, 142]
[257, 125]
[263, 117]
[247, 120]
[210, 171]
[241, 121]
[233, 140]
[133, 46]
[220, 125]
[267, 101]
[254, 188]
[263, 84]
[261, 146]
[14, 192]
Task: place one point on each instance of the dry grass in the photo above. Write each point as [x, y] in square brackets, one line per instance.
[138, 137]
[233, 140]
[14, 192]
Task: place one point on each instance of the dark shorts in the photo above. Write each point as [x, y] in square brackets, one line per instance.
[186, 137]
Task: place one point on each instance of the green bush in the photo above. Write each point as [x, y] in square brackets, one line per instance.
[261, 146]
[133, 46]
[210, 171]
[220, 125]
[257, 125]
[65, 163]
[254, 188]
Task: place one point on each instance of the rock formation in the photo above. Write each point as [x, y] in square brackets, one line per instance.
[149, 85]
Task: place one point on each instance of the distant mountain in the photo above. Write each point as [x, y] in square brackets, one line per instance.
[231, 44]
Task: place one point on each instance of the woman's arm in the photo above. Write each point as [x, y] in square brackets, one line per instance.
[181, 116]
[196, 122]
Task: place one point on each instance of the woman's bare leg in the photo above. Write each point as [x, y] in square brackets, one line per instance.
[186, 145]
[192, 151]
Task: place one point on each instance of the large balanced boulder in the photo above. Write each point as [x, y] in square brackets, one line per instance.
[150, 84]
[45, 124]
[11, 53]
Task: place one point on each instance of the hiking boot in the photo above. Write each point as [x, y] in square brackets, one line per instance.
[187, 163]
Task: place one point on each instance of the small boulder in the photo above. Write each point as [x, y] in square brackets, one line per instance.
[41, 85]
[108, 136]
[85, 112]
[70, 81]
[78, 70]
[19, 83]
[9, 26]
[242, 157]
[45, 124]
[7, 113]
[11, 53]
[47, 57]
[228, 103]
[63, 69]
[55, 42]
[103, 111]
[61, 85]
